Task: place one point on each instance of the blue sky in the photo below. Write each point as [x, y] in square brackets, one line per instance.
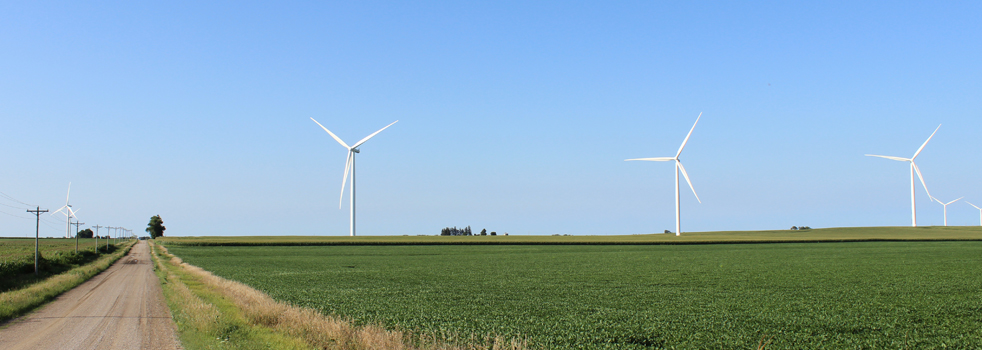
[514, 117]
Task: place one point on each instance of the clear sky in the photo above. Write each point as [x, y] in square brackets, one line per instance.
[513, 116]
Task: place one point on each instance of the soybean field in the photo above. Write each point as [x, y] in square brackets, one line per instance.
[795, 295]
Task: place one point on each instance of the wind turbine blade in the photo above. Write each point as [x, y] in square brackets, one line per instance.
[69, 193]
[889, 157]
[58, 211]
[925, 142]
[347, 166]
[973, 205]
[336, 138]
[373, 134]
[687, 136]
[73, 212]
[658, 159]
[954, 200]
[919, 176]
[686, 176]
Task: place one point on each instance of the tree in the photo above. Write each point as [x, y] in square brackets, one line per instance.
[156, 227]
[484, 232]
[86, 233]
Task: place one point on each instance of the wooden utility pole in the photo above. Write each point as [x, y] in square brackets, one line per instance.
[37, 229]
[97, 227]
[76, 234]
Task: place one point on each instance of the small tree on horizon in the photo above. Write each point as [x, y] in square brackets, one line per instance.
[86, 233]
[156, 227]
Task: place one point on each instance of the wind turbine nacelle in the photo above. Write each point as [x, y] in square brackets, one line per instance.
[355, 150]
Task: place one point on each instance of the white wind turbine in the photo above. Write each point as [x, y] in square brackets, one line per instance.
[980, 211]
[350, 165]
[678, 168]
[67, 211]
[946, 208]
[913, 169]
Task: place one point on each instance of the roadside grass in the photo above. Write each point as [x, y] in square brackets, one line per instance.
[841, 234]
[212, 312]
[205, 318]
[65, 270]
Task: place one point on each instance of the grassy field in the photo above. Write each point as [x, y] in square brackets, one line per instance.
[57, 256]
[800, 295]
[19, 248]
[814, 235]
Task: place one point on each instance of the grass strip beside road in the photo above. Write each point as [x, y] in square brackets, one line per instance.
[842, 234]
[18, 302]
[212, 312]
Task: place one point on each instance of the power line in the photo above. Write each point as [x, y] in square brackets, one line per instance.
[16, 216]
[7, 196]
[8, 205]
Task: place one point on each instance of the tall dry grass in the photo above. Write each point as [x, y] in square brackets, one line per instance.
[316, 329]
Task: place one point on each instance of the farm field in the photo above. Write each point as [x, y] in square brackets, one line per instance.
[17, 258]
[799, 295]
[826, 234]
[19, 248]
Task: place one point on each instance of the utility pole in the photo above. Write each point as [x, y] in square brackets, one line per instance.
[108, 235]
[97, 227]
[37, 229]
[76, 233]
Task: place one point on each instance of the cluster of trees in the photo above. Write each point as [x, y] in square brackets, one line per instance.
[86, 233]
[454, 231]
[796, 228]
[466, 231]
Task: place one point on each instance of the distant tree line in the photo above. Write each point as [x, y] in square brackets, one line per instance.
[466, 231]
[454, 231]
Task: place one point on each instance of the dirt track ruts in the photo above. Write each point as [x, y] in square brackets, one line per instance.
[120, 308]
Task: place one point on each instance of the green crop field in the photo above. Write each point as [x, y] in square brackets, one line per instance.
[801, 295]
[20, 248]
[57, 255]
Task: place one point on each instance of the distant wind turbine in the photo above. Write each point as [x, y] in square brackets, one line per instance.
[678, 168]
[350, 165]
[980, 211]
[946, 208]
[913, 169]
[67, 212]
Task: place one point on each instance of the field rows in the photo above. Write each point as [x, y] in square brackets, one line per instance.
[831, 295]
[20, 248]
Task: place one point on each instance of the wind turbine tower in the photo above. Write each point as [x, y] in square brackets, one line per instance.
[980, 211]
[945, 208]
[913, 169]
[350, 165]
[67, 212]
[678, 169]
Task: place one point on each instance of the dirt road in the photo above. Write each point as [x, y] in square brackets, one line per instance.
[121, 308]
